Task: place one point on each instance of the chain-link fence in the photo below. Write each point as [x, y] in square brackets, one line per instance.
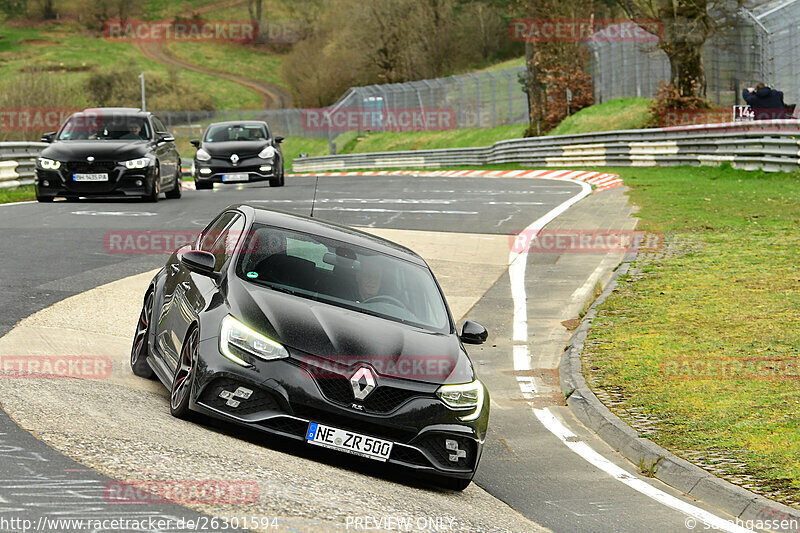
[477, 100]
[482, 99]
[756, 43]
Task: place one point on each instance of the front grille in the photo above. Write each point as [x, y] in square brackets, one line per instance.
[260, 400]
[337, 388]
[84, 167]
[334, 386]
[435, 445]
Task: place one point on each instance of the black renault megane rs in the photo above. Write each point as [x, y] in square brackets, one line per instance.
[317, 332]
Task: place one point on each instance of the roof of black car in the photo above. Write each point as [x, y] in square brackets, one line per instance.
[233, 122]
[330, 230]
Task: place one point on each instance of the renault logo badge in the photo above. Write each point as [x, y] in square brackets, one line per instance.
[362, 382]
[90, 159]
[234, 159]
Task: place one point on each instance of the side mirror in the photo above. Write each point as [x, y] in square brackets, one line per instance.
[473, 333]
[279, 139]
[199, 261]
[195, 143]
[48, 137]
[164, 137]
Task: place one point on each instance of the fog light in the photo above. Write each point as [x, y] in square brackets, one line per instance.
[265, 168]
[46, 183]
[138, 183]
[205, 171]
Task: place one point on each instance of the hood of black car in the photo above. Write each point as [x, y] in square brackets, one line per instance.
[241, 148]
[348, 339]
[100, 150]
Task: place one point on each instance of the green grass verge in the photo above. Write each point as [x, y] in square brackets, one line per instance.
[706, 342]
[619, 114]
[17, 194]
[421, 140]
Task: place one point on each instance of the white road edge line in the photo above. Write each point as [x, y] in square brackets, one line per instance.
[517, 263]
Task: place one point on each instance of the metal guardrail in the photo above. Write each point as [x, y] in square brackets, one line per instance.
[770, 145]
[17, 162]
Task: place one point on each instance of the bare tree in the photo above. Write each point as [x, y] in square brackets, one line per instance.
[255, 7]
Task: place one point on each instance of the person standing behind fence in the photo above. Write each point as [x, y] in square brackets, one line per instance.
[767, 103]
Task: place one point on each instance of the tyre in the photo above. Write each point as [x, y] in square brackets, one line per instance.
[175, 193]
[140, 350]
[203, 186]
[156, 191]
[278, 181]
[44, 199]
[182, 381]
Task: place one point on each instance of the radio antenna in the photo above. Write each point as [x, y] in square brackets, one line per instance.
[314, 200]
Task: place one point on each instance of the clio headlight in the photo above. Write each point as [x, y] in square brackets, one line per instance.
[463, 396]
[142, 162]
[202, 155]
[267, 153]
[49, 164]
[236, 340]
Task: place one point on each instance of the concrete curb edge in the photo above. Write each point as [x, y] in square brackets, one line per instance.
[645, 454]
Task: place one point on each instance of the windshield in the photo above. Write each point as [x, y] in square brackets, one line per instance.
[104, 127]
[343, 275]
[235, 132]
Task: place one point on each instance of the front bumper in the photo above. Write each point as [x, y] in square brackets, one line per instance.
[213, 171]
[122, 182]
[288, 395]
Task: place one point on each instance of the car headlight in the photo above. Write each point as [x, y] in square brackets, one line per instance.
[235, 338]
[49, 164]
[142, 162]
[463, 396]
[267, 153]
[202, 155]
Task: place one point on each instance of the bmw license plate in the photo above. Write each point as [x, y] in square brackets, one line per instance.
[239, 176]
[90, 177]
[346, 441]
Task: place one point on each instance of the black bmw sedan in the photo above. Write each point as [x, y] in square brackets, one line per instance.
[110, 152]
[236, 152]
[320, 333]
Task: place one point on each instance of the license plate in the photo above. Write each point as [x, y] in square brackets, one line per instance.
[90, 177]
[241, 176]
[349, 442]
